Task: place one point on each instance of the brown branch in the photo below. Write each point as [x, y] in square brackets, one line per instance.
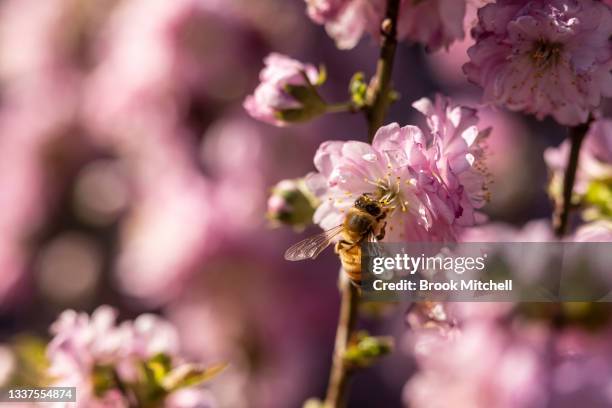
[378, 96]
[378, 99]
[563, 206]
[339, 376]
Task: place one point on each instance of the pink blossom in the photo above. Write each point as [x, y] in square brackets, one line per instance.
[149, 335]
[251, 327]
[594, 163]
[270, 96]
[79, 344]
[598, 231]
[346, 20]
[434, 23]
[434, 179]
[446, 66]
[458, 154]
[481, 367]
[533, 231]
[504, 357]
[82, 344]
[190, 398]
[153, 265]
[38, 106]
[544, 57]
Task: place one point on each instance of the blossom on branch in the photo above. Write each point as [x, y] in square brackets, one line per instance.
[434, 180]
[544, 57]
[115, 365]
[286, 92]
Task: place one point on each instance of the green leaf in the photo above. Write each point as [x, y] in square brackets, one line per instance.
[188, 375]
[310, 104]
[159, 366]
[301, 93]
[31, 362]
[322, 76]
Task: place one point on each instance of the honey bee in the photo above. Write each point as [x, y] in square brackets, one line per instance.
[364, 221]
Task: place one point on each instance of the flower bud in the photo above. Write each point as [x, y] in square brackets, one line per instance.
[287, 92]
[365, 350]
[291, 203]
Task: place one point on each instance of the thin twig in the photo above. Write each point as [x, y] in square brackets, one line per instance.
[563, 207]
[378, 96]
[341, 107]
[378, 100]
[339, 377]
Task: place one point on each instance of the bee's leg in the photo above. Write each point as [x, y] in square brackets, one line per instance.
[343, 244]
[381, 233]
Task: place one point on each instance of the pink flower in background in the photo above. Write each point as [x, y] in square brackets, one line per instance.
[594, 163]
[533, 231]
[84, 347]
[191, 398]
[433, 23]
[39, 96]
[482, 367]
[270, 97]
[80, 342]
[322, 11]
[153, 264]
[149, 335]
[434, 179]
[346, 20]
[544, 57]
[446, 66]
[504, 357]
[269, 331]
[598, 231]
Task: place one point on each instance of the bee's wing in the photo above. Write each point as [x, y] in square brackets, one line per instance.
[375, 249]
[313, 246]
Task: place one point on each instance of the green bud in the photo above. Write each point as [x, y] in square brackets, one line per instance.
[365, 350]
[358, 89]
[311, 104]
[291, 203]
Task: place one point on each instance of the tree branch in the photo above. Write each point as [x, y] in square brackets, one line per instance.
[339, 377]
[378, 99]
[378, 96]
[563, 207]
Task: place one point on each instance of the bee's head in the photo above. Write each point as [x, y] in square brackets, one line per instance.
[367, 204]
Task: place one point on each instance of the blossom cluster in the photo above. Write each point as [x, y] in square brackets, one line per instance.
[544, 57]
[434, 23]
[129, 153]
[512, 354]
[435, 179]
[114, 365]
